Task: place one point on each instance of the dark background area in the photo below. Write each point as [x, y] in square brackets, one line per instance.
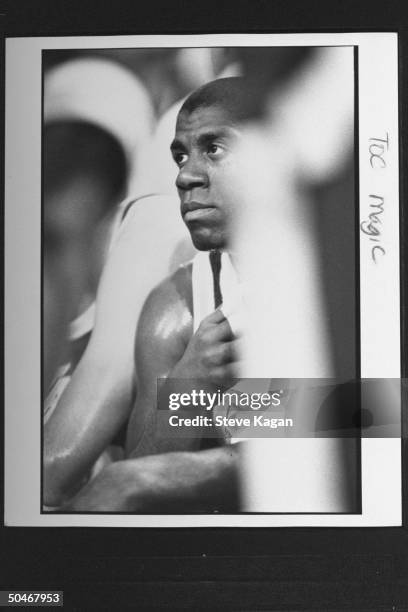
[247, 569]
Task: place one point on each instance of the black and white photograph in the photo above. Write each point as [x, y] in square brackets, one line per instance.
[212, 281]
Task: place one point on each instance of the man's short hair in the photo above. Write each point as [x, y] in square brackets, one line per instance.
[235, 95]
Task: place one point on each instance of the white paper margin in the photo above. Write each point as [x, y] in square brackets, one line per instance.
[380, 312]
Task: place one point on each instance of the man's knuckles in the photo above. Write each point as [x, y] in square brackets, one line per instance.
[214, 333]
[215, 317]
[224, 375]
[206, 337]
[211, 358]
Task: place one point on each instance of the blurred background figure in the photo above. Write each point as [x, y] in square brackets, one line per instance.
[86, 174]
[97, 120]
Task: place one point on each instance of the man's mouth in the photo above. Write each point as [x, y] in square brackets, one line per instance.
[192, 211]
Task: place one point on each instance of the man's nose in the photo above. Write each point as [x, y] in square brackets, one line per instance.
[191, 175]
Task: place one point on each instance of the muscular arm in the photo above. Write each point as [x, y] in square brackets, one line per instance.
[201, 481]
[164, 330]
[97, 400]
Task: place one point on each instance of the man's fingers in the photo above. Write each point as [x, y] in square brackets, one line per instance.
[230, 351]
[219, 326]
[226, 376]
[223, 332]
[215, 334]
[216, 327]
[215, 317]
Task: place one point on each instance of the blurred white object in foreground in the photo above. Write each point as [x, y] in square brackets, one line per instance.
[287, 333]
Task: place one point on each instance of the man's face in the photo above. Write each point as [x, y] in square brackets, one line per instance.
[207, 182]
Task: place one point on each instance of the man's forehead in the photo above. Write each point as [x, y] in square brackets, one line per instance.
[205, 118]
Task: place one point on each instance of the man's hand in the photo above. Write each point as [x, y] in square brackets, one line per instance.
[211, 354]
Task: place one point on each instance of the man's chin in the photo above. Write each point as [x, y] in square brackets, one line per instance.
[207, 241]
[202, 244]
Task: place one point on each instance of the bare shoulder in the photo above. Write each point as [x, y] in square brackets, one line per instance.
[166, 321]
[164, 330]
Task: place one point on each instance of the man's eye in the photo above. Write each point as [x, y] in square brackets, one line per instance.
[180, 158]
[214, 150]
